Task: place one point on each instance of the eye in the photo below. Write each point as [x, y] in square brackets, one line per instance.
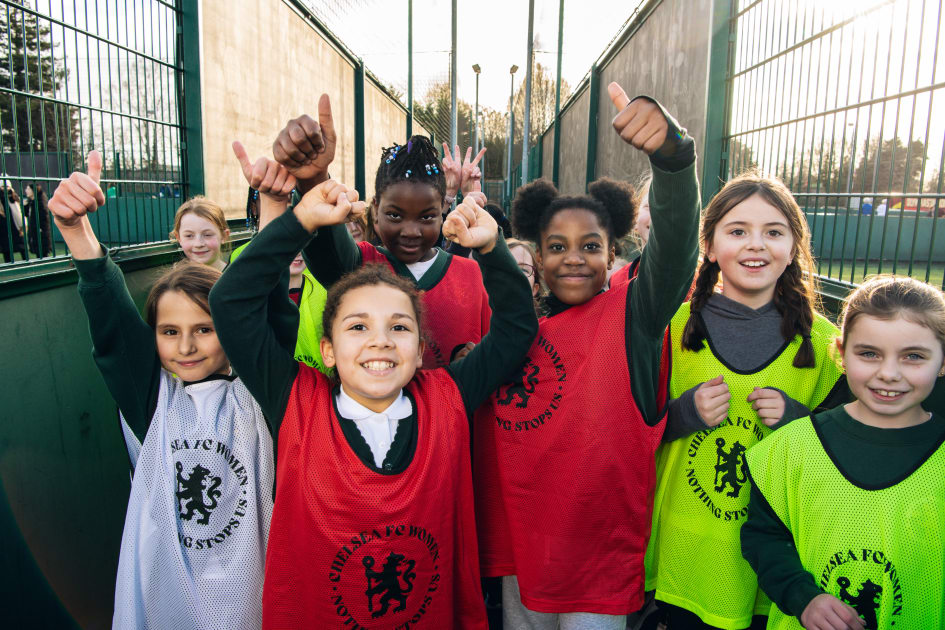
[556, 247]
[393, 216]
[868, 354]
[204, 330]
[915, 356]
[592, 246]
[168, 332]
[400, 328]
[737, 232]
[357, 327]
[775, 233]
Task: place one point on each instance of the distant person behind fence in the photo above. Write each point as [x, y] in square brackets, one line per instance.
[11, 230]
[37, 212]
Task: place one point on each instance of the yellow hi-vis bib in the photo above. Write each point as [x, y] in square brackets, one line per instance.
[694, 558]
[879, 550]
[311, 306]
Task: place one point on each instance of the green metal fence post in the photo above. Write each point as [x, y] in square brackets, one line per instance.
[410, 69]
[189, 103]
[718, 104]
[594, 89]
[359, 180]
[555, 161]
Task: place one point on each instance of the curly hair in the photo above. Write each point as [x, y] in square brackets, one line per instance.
[417, 161]
[535, 204]
[795, 294]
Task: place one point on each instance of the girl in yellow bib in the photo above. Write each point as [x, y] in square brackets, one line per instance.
[846, 524]
[745, 361]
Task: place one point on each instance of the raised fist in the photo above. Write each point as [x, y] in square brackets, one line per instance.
[712, 400]
[265, 175]
[78, 195]
[470, 225]
[306, 147]
[640, 123]
[329, 203]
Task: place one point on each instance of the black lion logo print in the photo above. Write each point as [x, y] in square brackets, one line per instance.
[192, 490]
[386, 582]
[731, 469]
[521, 385]
[866, 601]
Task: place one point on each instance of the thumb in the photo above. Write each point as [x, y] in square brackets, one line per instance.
[718, 380]
[95, 166]
[240, 152]
[617, 95]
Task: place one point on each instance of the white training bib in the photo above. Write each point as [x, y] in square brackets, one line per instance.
[194, 545]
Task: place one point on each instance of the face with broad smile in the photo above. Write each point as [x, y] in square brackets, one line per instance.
[574, 255]
[891, 367]
[752, 245]
[187, 343]
[375, 344]
[200, 239]
[407, 219]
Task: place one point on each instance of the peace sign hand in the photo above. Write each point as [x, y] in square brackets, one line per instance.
[471, 175]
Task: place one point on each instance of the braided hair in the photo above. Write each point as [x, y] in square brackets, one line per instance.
[535, 204]
[795, 294]
[416, 161]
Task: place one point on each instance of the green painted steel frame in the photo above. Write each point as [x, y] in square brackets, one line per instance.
[592, 119]
[359, 177]
[721, 60]
[190, 111]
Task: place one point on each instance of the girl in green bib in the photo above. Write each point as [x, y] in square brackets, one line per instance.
[846, 523]
[745, 361]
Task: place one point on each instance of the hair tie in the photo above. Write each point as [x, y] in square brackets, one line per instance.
[409, 145]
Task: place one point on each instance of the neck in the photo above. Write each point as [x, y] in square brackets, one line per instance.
[376, 405]
[913, 416]
[295, 281]
[751, 299]
[219, 264]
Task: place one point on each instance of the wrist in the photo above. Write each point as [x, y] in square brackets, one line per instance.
[81, 239]
[305, 218]
[305, 185]
[448, 199]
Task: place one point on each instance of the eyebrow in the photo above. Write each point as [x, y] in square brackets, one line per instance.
[866, 346]
[564, 238]
[367, 315]
[394, 206]
[770, 223]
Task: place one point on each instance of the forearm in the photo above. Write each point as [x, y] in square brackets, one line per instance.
[270, 208]
[123, 345]
[682, 418]
[512, 328]
[769, 548]
[240, 304]
[331, 254]
[81, 240]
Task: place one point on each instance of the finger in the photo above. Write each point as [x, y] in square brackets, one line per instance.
[765, 403]
[306, 136]
[84, 199]
[479, 155]
[850, 617]
[447, 154]
[286, 152]
[617, 96]
[760, 392]
[87, 190]
[67, 207]
[326, 121]
[718, 380]
[456, 155]
[240, 152]
[468, 156]
[278, 184]
[342, 207]
[281, 156]
[632, 129]
[715, 411]
[657, 136]
[715, 391]
[95, 166]
[834, 620]
[469, 212]
[358, 209]
[477, 196]
[353, 195]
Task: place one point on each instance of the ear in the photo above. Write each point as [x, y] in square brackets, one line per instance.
[175, 235]
[328, 352]
[421, 348]
[226, 234]
[374, 209]
[611, 256]
[839, 343]
[941, 371]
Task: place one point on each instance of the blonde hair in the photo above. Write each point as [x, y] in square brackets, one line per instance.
[888, 297]
[205, 209]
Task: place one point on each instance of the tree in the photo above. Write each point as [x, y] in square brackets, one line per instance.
[898, 168]
[29, 123]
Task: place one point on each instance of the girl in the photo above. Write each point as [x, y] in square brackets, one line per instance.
[524, 255]
[275, 186]
[194, 540]
[374, 524]
[409, 197]
[200, 228]
[565, 450]
[847, 512]
[732, 394]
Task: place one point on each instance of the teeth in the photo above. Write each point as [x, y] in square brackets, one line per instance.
[754, 263]
[888, 393]
[378, 365]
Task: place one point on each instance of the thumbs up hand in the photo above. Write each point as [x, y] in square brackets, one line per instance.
[307, 147]
[78, 195]
[640, 122]
[70, 205]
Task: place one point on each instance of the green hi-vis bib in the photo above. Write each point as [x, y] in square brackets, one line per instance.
[879, 550]
[694, 558]
[311, 305]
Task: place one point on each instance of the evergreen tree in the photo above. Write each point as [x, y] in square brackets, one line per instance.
[32, 68]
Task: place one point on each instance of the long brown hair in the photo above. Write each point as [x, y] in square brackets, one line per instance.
[795, 294]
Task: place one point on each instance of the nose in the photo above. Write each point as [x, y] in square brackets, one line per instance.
[380, 339]
[574, 257]
[411, 230]
[889, 369]
[756, 241]
[186, 345]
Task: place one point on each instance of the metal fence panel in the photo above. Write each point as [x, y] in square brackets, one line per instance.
[844, 102]
[75, 76]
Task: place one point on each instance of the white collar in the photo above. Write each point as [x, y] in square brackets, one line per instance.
[353, 410]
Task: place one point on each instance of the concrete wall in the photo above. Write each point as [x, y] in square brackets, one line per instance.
[667, 58]
[257, 74]
[572, 167]
[548, 154]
